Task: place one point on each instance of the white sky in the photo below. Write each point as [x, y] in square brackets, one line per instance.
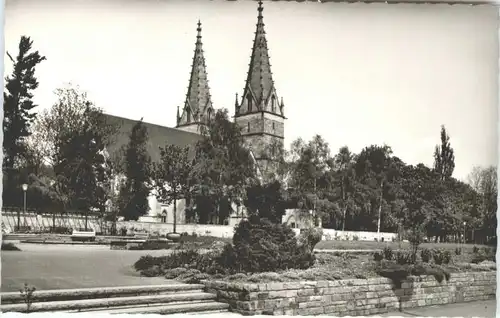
[357, 74]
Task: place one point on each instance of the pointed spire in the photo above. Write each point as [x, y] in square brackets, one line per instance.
[198, 100]
[259, 86]
[178, 115]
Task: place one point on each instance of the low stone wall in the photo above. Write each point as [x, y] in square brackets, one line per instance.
[352, 297]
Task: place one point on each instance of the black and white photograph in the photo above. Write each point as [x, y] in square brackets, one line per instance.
[236, 158]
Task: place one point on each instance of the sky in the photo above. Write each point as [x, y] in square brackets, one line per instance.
[357, 74]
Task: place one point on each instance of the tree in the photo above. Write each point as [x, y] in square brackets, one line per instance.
[267, 201]
[18, 115]
[18, 103]
[444, 158]
[308, 181]
[344, 180]
[223, 167]
[136, 188]
[484, 182]
[172, 176]
[72, 137]
[375, 170]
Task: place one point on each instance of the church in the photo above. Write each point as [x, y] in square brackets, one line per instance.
[259, 113]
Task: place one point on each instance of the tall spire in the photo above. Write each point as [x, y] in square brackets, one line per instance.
[198, 104]
[259, 93]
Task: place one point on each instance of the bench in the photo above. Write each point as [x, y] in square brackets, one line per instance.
[83, 236]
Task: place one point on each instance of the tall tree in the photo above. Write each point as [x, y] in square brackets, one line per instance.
[18, 114]
[344, 180]
[484, 182]
[70, 138]
[444, 158]
[18, 101]
[374, 168]
[171, 176]
[136, 188]
[309, 182]
[223, 167]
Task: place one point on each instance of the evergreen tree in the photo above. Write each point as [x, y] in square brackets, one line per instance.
[18, 116]
[18, 103]
[444, 158]
[134, 193]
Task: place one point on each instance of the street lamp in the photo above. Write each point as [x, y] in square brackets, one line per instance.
[25, 188]
[465, 224]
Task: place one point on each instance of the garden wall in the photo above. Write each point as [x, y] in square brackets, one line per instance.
[353, 296]
[228, 231]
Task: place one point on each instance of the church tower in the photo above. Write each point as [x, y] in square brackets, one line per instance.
[260, 114]
[197, 109]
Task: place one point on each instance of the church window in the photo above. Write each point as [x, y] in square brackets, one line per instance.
[209, 114]
[248, 127]
[273, 104]
[273, 127]
[249, 102]
[188, 111]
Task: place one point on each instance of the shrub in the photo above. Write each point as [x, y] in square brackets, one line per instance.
[260, 246]
[123, 231]
[9, 247]
[404, 258]
[175, 272]
[458, 251]
[388, 253]
[441, 257]
[355, 238]
[425, 255]
[378, 257]
[27, 295]
[310, 237]
[475, 249]
[446, 257]
[416, 237]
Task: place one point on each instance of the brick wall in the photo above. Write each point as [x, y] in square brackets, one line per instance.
[353, 296]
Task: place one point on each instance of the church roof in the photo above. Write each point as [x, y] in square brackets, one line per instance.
[259, 87]
[159, 136]
[198, 103]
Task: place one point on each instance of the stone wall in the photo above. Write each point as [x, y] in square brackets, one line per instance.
[353, 296]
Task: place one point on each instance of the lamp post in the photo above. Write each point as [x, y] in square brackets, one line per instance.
[465, 224]
[25, 188]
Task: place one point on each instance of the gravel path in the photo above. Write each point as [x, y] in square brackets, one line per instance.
[72, 266]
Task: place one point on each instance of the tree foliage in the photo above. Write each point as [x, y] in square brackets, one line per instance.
[223, 168]
[172, 176]
[67, 150]
[134, 193]
[18, 101]
[444, 157]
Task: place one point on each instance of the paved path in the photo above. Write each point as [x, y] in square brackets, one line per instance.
[485, 309]
[72, 266]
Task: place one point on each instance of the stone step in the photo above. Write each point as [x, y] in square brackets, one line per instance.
[102, 292]
[84, 304]
[198, 307]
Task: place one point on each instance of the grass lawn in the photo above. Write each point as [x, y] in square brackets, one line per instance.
[372, 245]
